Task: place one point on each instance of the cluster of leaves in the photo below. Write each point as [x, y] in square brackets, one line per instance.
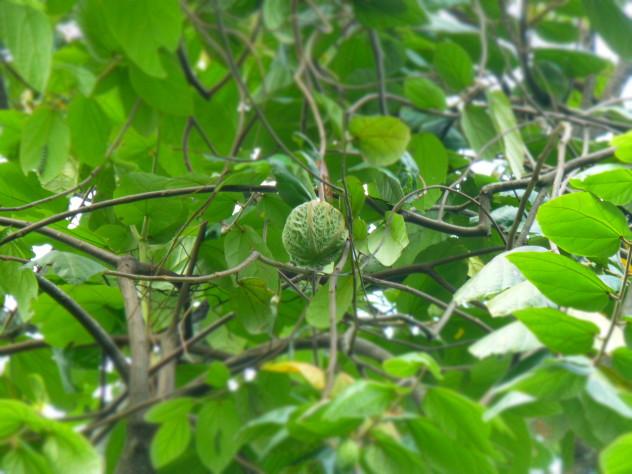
[477, 320]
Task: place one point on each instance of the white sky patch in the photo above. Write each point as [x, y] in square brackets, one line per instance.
[250, 374]
[69, 30]
[237, 209]
[3, 362]
[389, 332]
[3, 159]
[380, 302]
[10, 303]
[41, 250]
[51, 412]
[602, 49]
[75, 203]
[233, 385]
[415, 331]
[256, 153]
[484, 167]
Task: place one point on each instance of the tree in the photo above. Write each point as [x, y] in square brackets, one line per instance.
[458, 306]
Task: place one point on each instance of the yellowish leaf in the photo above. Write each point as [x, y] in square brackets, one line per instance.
[312, 374]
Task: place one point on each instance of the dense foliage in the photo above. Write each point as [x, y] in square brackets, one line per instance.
[458, 306]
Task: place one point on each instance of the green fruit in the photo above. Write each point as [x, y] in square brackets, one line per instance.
[314, 234]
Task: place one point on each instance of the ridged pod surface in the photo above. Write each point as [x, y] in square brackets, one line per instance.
[314, 234]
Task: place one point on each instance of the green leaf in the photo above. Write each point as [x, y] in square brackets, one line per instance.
[407, 365]
[389, 456]
[612, 24]
[251, 302]
[218, 374]
[622, 361]
[170, 441]
[19, 282]
[520, 296]
[558, 331]
[318, 308]
[623, 145]
[70, 453]
[361, 400]
[574, 63]
[599, 388]
[614, 186]
[510, 339]
[171, 94]
[292, 183]
[60, 329]
[382, 140]
[356, 194]
[216, 438]
[275, 13]
[581, 224]
[557, 31]
[508, 401]
[143, 27]
[424, 93]
[45, 144]
[432, 159]
[25, 460]
[165, 411]
[480, 132]
[70, 267]
[89, 130]
[159, 217]
[458, 417]
[563, 280]
[498, 275]
[26, 32]
[453, 65]
[616, 459]
[444, 454]
[383, 14]
[506, 126]
[386, 244]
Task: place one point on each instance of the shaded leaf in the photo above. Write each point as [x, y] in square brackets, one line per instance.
[216, 439]
[45, 144]
[143, 27]
[612, 24]
[506, 126]
[318, 308]
[454, 65]
[26, 32]
[386, 244]
[424, 93]
[70, 267]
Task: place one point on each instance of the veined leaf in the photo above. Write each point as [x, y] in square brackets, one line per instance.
[558, 331]
[582, 224]
[563, 280]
